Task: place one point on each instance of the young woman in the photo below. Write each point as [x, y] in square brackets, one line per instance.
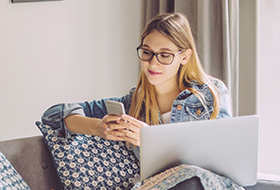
[172, 88]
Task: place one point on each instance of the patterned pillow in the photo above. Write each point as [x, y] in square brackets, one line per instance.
[91, 162]
[9, 177]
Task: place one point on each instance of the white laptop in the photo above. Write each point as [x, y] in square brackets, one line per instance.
[228, 147]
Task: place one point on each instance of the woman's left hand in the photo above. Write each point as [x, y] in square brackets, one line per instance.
[132, 129]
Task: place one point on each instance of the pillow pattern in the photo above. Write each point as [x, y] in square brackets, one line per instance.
[90, 162]
[9, 177]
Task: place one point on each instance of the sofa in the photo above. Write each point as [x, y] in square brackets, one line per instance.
[33, 161]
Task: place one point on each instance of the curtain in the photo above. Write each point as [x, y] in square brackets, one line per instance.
[215, 27]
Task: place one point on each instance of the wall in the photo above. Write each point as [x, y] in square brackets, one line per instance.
[269, 91]
[259, 75]
[63, 51]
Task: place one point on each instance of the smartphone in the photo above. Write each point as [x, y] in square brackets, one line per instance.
[114, 108]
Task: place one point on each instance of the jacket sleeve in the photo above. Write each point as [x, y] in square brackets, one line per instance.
[55, 115]
[225, 100]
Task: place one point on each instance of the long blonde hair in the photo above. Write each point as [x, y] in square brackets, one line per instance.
[176, 28]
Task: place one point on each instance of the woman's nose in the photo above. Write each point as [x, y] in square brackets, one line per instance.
[154, 61]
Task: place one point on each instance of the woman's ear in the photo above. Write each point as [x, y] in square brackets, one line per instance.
[186, 56]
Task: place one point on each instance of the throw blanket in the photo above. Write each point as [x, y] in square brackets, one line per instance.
[173, 176]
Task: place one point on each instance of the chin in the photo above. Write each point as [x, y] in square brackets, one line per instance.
[154, 82]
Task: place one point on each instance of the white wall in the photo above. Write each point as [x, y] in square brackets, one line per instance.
[269, 90]
[64, 51]
[259, 77]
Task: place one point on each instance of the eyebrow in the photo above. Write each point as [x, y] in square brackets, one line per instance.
[166, 49]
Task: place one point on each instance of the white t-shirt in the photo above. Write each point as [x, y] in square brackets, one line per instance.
[166, 117]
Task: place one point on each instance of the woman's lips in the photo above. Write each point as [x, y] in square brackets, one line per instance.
[154, 73]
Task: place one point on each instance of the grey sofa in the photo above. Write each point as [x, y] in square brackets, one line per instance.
[32, 159]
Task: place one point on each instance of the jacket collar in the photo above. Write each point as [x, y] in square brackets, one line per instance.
[195, 85]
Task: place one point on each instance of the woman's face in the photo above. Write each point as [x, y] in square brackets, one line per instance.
[158, 74]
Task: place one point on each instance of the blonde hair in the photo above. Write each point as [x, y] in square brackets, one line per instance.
[176, 28]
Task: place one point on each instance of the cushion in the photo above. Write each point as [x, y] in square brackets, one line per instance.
[9, 177]
[90, 162]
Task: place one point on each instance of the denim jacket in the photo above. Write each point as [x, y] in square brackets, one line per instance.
[186, 107]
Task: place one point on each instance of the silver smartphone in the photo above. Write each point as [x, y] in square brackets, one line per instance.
[114, 108]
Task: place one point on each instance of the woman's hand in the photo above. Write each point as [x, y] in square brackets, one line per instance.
[94, 126]
[131, 129]
[109, 128]
[118, 128]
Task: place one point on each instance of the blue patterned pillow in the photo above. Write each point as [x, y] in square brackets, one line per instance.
[91, 162]
[9, 177]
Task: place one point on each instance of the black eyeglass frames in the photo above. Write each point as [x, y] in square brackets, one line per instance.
[164, 58]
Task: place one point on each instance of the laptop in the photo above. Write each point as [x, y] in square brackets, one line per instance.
[228, 147]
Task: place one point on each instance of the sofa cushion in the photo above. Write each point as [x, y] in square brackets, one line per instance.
[91, 162]
[9, 177]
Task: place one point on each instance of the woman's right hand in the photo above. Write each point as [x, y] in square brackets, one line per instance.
[109, 127]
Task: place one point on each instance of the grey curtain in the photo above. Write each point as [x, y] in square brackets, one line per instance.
[215, 26]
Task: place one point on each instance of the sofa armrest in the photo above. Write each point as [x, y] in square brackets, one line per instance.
[265, 185]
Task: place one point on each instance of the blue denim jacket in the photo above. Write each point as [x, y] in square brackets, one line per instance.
[186, 107]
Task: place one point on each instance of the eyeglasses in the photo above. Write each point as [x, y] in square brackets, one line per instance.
[163, 57]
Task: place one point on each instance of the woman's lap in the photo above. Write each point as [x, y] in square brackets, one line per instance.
[190, 184]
